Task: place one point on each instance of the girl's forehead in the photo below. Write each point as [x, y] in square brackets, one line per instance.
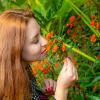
[33, 29]
[33, 24]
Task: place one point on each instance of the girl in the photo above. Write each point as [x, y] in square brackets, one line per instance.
[21, 43]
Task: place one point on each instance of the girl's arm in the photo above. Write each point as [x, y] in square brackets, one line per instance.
[66, 78]
[61, 93]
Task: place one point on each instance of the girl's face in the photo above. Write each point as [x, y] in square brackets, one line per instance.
[35, 44]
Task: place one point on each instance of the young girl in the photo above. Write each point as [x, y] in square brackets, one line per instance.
[21, 43]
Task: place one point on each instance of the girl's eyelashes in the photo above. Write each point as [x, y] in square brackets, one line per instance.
[35, 41]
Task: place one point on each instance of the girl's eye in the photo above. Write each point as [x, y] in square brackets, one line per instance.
[36, 41]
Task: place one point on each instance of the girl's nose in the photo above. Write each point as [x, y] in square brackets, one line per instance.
[44, 42]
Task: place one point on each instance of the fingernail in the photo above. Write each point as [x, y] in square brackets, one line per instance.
[51, 88]
[48, 89]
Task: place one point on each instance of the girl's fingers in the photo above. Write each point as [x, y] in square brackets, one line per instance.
[51, 82]
[47, 84]
[55, 84]
[76, 75]
[50, 85]
[72, 70]
[66, 64]
[70, 67]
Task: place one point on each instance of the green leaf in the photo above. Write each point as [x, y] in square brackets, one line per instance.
[93, 97]
[20, 2]
[93, 82]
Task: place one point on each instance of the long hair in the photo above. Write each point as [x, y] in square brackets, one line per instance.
[14, 81]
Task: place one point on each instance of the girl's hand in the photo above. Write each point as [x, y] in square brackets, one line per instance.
[49, 86]
[68, 75]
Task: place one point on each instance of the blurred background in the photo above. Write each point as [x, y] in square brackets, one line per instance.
[72, 28]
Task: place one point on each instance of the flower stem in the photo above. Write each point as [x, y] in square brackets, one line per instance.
[81, 53]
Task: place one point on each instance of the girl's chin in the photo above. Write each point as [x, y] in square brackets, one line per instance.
[40, 57]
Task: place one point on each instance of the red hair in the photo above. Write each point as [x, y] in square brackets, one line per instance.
[14, 81]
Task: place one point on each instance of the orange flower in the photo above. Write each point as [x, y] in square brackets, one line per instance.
[79, 17]
[52, 33]
[72, 19]
[63, 47]
[98, 56]
[67, 25]
[93, 16]
[34, 71]
[97, 25]
[93, 38]
[74, 35]
[45, 71]
[48, 68]
[74, 40]
[50, 43]
[55, 48]
[74, 62]
[41, 69]
[94, 88]
[48, 48]
[55, 40]
[45, 61]
[56, 65]
[68, 31]
[49, 35]
[92, 23]
[36, 65]
[71, 25]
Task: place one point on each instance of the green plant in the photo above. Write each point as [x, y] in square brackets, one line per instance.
[76, 24]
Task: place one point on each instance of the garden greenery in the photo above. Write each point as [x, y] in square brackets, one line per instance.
[72, 28]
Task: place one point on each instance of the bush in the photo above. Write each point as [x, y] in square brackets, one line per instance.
[72, 28]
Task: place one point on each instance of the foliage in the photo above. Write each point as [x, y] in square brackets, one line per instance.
[72, 28]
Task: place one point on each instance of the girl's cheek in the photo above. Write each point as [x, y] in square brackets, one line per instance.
[35, 49]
